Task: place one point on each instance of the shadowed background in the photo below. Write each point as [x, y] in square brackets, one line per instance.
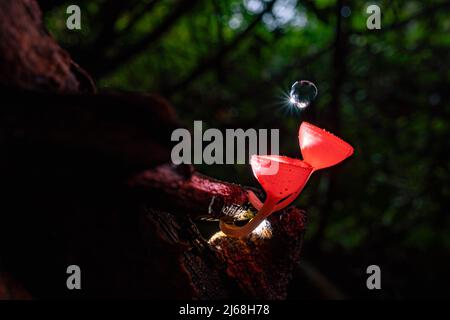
[231, 63]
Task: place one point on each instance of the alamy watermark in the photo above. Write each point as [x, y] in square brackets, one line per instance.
[230, 148]
[373, 21]
[73, 281]
[374, 280]
[73, 21]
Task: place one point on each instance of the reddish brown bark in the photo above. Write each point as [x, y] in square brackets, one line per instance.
[30, 58]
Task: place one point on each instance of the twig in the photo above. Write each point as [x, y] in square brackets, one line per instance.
[129, 52]
[206, 63]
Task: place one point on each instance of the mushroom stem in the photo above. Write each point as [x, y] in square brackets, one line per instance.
[240, 232]
[254, 200]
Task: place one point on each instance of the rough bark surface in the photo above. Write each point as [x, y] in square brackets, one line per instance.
[259, 266]
[30, 58]
[86, 179]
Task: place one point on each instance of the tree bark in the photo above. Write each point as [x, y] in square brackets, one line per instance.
[30, 58]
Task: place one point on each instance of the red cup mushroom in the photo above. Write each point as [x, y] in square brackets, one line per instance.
[280, 177]
[283, 178]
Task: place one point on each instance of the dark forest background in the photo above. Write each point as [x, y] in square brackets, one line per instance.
[230, 63]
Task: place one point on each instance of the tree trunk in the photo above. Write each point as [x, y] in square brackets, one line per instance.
[87, 180]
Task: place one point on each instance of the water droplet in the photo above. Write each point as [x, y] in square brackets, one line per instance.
[302, 93]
